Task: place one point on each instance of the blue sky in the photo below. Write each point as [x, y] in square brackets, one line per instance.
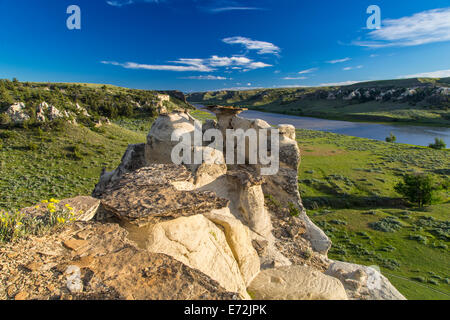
[196, 45]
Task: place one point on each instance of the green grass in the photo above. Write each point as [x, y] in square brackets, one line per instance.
[351, 180]
[60, 164]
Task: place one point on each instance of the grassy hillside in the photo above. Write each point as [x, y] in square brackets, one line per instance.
[59, 163]
[98, 100]
[388, 100]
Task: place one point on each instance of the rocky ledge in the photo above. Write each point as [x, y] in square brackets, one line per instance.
[155, 230]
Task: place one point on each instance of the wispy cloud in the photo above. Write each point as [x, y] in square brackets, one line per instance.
[339, 60]
[121, 3]
[308, 70]
[208, 77]
[421, 28]
[200, 65]
[295, 78]
[352, 68]
[261, 47]
[433, 74]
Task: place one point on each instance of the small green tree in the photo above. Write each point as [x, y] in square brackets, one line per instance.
[438, 144]
[391, 138]
[417, 188]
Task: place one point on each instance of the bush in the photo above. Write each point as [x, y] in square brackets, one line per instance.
[388, 224]
[418, 238]
[391, 138]
[438, 144]
[5, 119]
[417, 188]
[32, 146]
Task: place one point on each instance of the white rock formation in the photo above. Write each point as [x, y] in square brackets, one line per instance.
[296, 283]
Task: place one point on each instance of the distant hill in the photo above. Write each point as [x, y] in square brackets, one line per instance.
[416, 100]
[30, 102]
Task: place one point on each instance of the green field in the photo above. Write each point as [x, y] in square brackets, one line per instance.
[345, 182]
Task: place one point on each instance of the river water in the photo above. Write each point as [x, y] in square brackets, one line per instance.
[416, 135]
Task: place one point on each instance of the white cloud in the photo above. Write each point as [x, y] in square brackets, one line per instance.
[208, 77]
[261, 47]
[121, 3]
[295, 78]
[351, 68]
[373, 55]
[434, 74]
[308, 70]
[421, 28]
[200, 65]
[339, 60]
[189, 65]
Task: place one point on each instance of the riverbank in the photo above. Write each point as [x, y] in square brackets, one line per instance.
[413, 135]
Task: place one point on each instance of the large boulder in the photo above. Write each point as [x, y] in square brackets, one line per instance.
[17, 112]
[296, 283]
[200, 244]
[363, 283]
[159, 141]
[239, 240]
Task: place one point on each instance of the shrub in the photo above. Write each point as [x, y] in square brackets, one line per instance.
[418, 238]
[293, 210]
[388, 224]
[391, 138]
[5, 119]
[417, 188]
[438, 144]
[14, 225]
[32, 146]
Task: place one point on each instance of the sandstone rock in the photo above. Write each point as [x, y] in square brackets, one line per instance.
[22, 295]
[363, 282]
[148, 195]
[74, 244]
[200, 244]
[159, 141]
[133, 159]
[17, 112]
[113, 268]
[296, 283]
[251, 200]
[239, 240]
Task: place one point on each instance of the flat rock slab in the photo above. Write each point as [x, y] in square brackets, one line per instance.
[296, 283]
[111, 267]
[149, 196]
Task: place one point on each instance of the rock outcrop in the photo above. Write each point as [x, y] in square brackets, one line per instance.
[363, 282]
[296, 283]
[158, 230]
[109, 265]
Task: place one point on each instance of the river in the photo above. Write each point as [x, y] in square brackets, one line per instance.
[416, 135]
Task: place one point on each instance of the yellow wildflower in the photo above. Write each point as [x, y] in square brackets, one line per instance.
[44, 201]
